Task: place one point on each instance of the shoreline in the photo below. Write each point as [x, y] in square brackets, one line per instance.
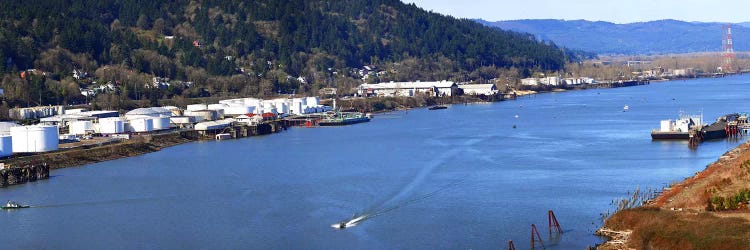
[75, 157]
[689, 204]
[143, 144]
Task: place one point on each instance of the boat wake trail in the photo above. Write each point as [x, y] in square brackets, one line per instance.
[380, 208]
[89, 203]
[359, 218]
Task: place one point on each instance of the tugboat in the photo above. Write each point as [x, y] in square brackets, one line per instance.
[14, 205]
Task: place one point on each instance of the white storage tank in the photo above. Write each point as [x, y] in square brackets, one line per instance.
[38, 138]
[113, 125]
[5, 127]
[6, 145]
[220, 108]
[193, 107]
[252, 101]
[268, 107]
[141, 125]
[281, 106]
[217, 106]
[80, 127]
[237, 110]
[161, 123]
[312, 101]
[296, 108]
[204, 115]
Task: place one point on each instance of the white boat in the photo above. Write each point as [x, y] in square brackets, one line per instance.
[14, 205]
[349, 223]
[626, 108]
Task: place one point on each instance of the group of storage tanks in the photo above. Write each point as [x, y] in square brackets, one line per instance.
[43, 138]
[25, 139]
[243, 106]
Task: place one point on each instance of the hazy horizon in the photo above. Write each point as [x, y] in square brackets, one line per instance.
[635, 11]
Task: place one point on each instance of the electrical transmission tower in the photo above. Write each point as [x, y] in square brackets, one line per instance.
[727, 50]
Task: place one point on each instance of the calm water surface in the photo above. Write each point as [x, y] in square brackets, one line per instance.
[459, 178]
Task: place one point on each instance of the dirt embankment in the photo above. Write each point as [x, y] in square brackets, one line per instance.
[706, 211]
[81, 156]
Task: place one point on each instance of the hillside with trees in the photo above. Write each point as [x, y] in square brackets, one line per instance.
[242, 48]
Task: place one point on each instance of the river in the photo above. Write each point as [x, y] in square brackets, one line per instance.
[471, 176]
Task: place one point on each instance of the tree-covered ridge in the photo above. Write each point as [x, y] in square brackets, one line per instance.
[233, 47]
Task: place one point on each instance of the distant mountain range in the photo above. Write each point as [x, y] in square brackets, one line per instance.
[655, 37]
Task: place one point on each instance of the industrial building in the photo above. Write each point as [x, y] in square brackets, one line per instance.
[213, 125]
[35, 112]
[550, 80]
[478, 89]
[81, 128]
[441, 88]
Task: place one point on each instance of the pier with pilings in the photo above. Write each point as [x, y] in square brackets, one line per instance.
[10, 175]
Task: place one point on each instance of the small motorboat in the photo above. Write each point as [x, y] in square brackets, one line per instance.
[626, 108]
[349, 223]
[14, 205]
[437, 107]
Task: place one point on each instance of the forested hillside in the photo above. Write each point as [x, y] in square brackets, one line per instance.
[248, 48]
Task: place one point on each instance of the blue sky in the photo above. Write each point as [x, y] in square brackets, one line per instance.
[621, 11]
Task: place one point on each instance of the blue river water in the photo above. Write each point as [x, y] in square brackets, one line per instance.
[460, 178]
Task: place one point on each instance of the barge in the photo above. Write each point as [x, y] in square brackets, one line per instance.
[677, 129]
[723, 127]
[343, 118]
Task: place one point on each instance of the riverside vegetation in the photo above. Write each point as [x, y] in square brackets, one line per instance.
[706, 211]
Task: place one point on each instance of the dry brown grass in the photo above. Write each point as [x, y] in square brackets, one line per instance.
[659, 227]
[654, 228]
[725, 177]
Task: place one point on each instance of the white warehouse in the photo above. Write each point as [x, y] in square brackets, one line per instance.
[441, 88]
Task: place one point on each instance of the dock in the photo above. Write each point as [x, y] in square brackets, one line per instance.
[19, 175]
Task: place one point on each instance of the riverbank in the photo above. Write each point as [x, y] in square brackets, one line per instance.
[143, 144]
[388, 104]
[138, 145]
[706, 211]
